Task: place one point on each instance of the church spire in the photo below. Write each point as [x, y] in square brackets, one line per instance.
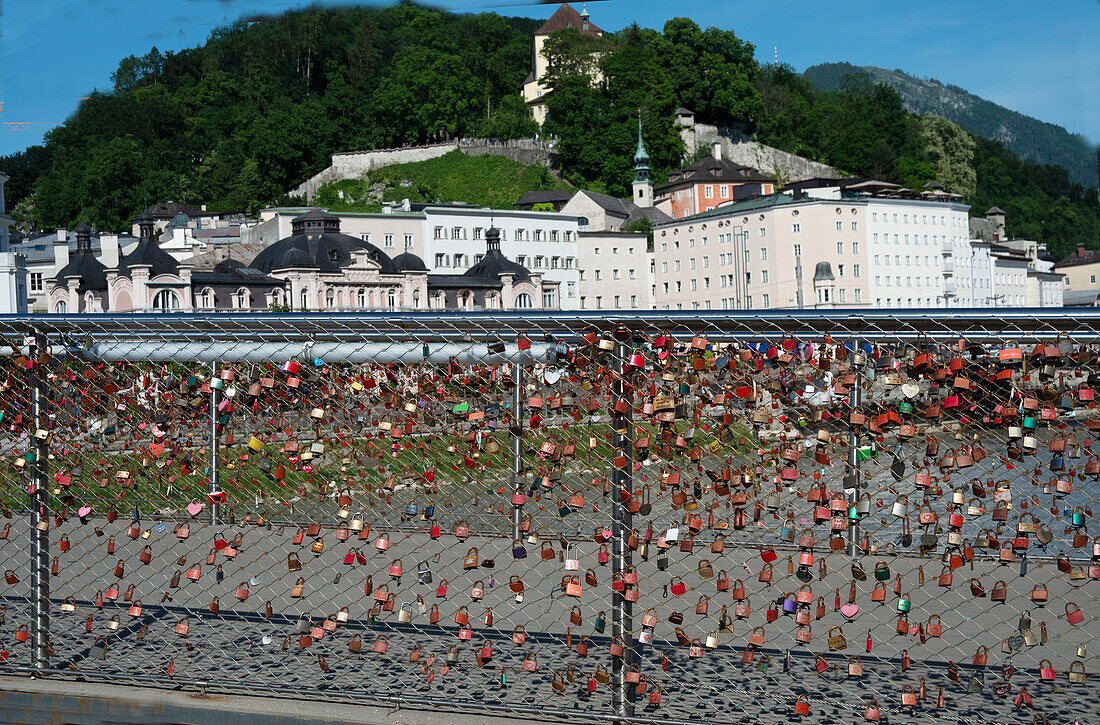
[641, 158]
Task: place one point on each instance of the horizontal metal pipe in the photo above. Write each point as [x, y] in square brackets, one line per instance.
[334, 352]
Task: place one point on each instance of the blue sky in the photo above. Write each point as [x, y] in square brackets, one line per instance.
[1042, 60]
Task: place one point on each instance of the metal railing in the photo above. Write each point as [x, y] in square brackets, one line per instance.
[645, 517]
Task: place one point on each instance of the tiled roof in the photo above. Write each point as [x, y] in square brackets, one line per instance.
[564, 18]
[763, 202]
[713, 170]
[1081, 256]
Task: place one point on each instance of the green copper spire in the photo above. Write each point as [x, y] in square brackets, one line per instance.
[641, 159]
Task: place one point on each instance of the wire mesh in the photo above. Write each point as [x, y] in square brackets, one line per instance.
[668, 518]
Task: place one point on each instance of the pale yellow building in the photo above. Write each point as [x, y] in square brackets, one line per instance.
[564, 18]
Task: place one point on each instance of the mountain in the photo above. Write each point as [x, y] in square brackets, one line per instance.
[1025, 136]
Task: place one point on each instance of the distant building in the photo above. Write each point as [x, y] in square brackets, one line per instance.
[564, 18]
[554, 197]
[843, 243]
[1081, 272]
[709, 183]
[13, 268]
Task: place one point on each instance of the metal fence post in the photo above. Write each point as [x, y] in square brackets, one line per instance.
[212, 484]
[40, 512]
[622, 613]
[854, 400]
[517, 444]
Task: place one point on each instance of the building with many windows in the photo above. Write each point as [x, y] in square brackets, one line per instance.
[883, 248]
[564, 18]
[709, 183]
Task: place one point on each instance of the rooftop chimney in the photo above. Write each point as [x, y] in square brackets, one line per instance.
[716, 150]
[1080, 251]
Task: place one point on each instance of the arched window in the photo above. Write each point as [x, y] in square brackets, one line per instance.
[166, 301]
[330, 298]
[305, 300]
[61, 308]
[206, 300]
[392, 298]
[523, 301]
[242, 299]
[361, 298]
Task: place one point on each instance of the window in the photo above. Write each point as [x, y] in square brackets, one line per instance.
[548, 299]
[664, 267]
[408, 241]
[523, 301]
[633, 300]
[840, 226]
[599, 303]
[618, 302]
[555, 262]
[242, 299]
[599, 275]
[632, 275]
[706, 282]
[708, 191]
[478, 231]
[859, 295]
[365, 238]
[764, 254]
[36, 281]
[361, 298]
[706, 262]
[553, 235]
[855, 247]
[694, 285]
[840, 247]
[691, 263]
[165, 301]
[596, 251]
[748, 302]
[538, 235]
[766, 300]
[855, 226]
[796, 228]
[855, 270]
[540, 261]
[305, 300]
[691, 244]
[840, 270]
[456, 232]
[571, 289]
[798, 250]
[843, 295]
[438, 233]
[389, 240]
[441, 260]
[1092, 279]
[61, 308]
[763, 232]
[676, 265]
[874, 216]
[330, 298]
[615, 273]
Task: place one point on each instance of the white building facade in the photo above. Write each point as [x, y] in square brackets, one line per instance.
[13, 268]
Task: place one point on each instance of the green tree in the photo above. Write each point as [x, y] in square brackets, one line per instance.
[950, 150]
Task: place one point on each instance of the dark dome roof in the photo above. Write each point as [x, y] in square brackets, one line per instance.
[92, 273]
[83, 228]
[495, 264]
[227, 265]
[148, 252]
[409, 262]
[316, 243]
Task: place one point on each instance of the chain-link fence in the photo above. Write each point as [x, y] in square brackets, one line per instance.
[648, 517]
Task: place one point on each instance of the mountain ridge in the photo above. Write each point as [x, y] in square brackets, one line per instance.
[1028, 137]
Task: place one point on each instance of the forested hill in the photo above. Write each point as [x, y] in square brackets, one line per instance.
[262, 106]
[1027, 137]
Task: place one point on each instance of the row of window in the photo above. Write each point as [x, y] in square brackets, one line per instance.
[597, 274]
[387, 240]
[614, 251]
[462, 261]
[904, 218]
[914, 260]
[520, 235]
[910, 281]
[617, 302]
[935, 239]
